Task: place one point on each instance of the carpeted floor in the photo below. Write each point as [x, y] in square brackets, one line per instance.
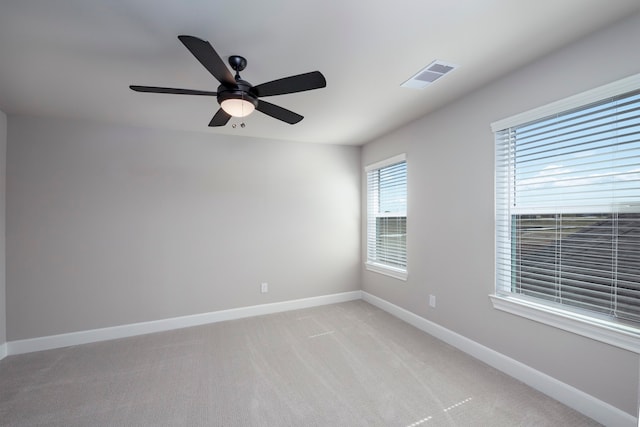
[347, 364]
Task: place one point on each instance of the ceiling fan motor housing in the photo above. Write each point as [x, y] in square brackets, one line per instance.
[241, 91]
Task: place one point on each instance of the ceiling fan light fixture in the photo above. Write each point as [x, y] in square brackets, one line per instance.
[237, 103]
[237, 107]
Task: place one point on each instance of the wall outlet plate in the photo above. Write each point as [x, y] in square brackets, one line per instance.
[264, 287]
[432, 301]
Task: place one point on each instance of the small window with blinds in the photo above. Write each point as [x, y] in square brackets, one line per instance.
[568, 210]
[387, 217]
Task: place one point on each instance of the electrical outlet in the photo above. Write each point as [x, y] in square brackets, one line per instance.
[264, 287]
[432, 301]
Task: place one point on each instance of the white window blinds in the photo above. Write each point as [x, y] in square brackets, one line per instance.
[387, 216]
[568, 209]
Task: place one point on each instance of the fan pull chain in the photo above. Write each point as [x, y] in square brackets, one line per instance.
[242, 125]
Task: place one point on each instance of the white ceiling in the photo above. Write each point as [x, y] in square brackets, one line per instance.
[76, 58]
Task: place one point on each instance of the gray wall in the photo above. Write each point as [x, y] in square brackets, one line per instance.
[451, 216]
[110, 225]
[3, 163]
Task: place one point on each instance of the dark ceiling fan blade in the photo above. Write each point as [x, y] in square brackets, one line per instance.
[278, 112]
[207, 55]
[220, 119]
[292, 84]
[155, 89]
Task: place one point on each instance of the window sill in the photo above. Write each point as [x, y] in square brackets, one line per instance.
[386, 270]
[621, 336]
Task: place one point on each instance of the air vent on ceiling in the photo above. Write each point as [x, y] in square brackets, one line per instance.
[429, 74]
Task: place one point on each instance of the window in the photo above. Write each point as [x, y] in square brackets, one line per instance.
[387, 217]
[568, 212]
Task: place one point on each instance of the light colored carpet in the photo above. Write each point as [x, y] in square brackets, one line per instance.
[347, 364]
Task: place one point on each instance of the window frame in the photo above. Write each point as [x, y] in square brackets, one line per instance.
[589, 325]
[374, 265]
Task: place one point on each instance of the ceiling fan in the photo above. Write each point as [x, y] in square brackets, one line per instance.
[237, 97]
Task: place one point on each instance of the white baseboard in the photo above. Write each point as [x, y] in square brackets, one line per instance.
[103, 334]
[582, 402]
[3, 351]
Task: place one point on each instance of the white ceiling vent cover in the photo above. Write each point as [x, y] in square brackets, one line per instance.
[429, 74]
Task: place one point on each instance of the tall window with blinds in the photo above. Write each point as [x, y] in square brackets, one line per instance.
[387, 217]
[568, 210]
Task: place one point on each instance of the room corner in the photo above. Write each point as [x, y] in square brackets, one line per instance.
[3, 304]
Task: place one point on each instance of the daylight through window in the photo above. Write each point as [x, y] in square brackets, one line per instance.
[387, 217]
[568, 210]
